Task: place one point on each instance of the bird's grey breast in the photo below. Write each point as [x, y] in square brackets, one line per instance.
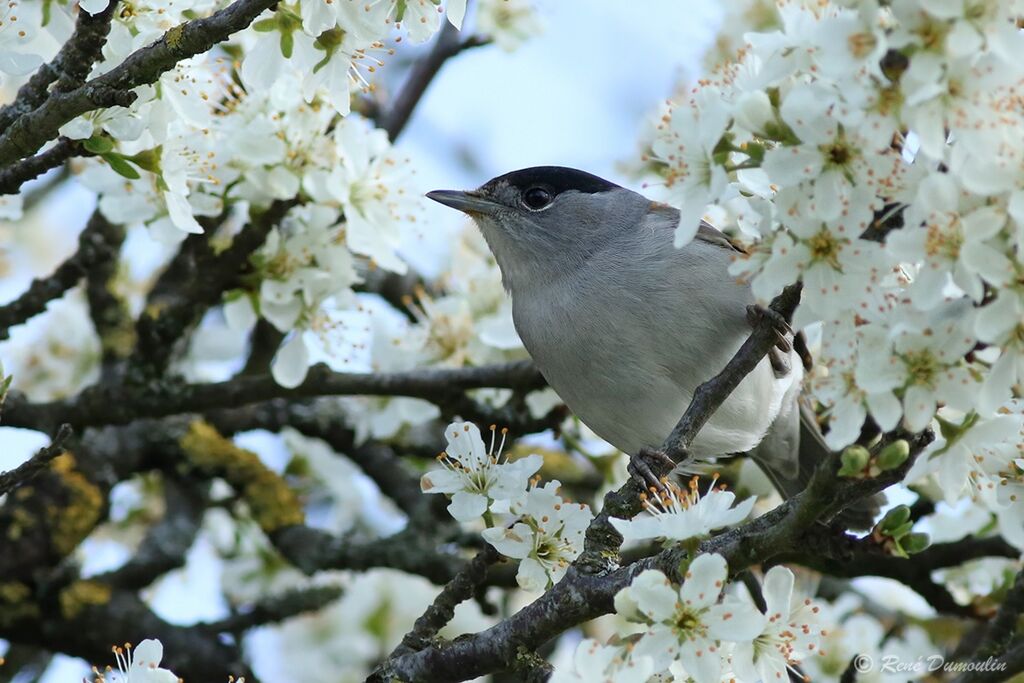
[627, 337]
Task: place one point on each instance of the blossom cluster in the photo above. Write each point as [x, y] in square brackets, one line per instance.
[181, 159]
[544, 531]
[705, 629]
[873, 151]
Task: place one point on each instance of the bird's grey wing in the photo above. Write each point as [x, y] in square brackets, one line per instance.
[712, 235]
[778, 452]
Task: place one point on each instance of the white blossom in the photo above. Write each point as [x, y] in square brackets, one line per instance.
[140, 665]
[476, 476]
[547, 538]
[678, 515]
[689, 623]
[593, 661]
[789, 633]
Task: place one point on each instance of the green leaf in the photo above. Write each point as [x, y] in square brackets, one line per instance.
[98, 144]
[287, 44]
[265, 25]
[120, 166]
[149, 159]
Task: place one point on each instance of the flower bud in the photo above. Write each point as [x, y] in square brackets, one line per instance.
[893, 455]
[854, 459]
[915, 542]
[894, 519]
[754, 111]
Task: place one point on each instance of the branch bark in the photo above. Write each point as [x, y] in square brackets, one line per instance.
[121, 404]
[97, 243]
[25, 472]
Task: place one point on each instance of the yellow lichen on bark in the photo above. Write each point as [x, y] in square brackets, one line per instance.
[81, 594]
[16, 603]
[71, 522]
[272, 503]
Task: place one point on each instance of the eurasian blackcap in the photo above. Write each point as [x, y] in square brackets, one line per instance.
[624, 326]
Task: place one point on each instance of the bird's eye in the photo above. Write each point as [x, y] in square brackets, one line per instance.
[537, 198]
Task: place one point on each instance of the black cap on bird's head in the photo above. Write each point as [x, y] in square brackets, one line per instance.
[546, 220]
[529, 189]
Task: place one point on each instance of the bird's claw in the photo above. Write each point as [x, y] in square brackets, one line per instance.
[779, 354]
[650, 469]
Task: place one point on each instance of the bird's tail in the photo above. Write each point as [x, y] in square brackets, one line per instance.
[790, 481]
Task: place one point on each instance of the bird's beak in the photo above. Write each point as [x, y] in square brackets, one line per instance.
[466, 202]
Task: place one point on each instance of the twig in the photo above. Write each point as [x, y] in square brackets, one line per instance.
[26, 471]
[108, 311]
[458, 590]
[711, 394]
[275, 609]
[446, 46]
[166, 543]
[602, 540]
[15, 175]
[97, 243]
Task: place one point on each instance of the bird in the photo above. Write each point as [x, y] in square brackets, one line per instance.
[624, 326]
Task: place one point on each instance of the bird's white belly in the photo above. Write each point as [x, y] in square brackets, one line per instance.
[633, 407]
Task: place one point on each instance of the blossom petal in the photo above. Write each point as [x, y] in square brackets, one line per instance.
[704, 581]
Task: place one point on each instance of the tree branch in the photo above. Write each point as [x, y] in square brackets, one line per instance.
[603, 541]
[31, 130]
[167, 542]
[121, 404]
[159, 329]
[446, 46]
[97, 243]
[14, 176]
[1002, 628]
[461, 588]
[69, 68]
[25, 472]
[275, 609]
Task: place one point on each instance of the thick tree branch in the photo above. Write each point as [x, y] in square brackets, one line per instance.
[1004, 625]
[97, 243]
[69, 68]
[31, 130]
[582, 595]
[121, 404]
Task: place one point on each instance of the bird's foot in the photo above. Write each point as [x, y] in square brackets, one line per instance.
[650, 468]
[779, 354]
